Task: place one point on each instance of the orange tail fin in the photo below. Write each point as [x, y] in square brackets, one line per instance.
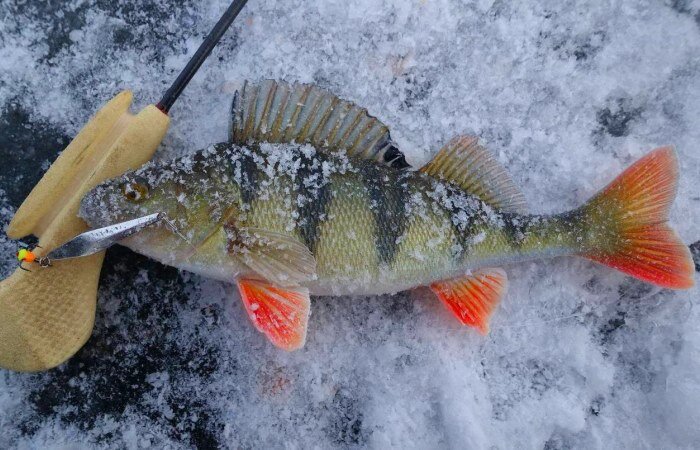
[628, 223]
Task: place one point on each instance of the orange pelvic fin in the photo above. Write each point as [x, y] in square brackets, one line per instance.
[281, 313]
[631, 214]
[472, 298]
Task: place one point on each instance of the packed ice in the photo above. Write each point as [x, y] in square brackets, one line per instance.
[565, 94]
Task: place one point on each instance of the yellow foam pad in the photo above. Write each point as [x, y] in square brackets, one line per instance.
[46, 315]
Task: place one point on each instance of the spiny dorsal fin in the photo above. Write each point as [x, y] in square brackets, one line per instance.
[279, 112]
[472, 298]
[467, 164]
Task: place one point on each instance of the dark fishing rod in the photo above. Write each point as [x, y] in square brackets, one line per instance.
[96, 240]
[172, 94]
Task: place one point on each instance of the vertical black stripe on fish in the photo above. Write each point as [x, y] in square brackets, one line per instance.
[316, 193]
[465, 223]
[388, 205]
[463, 235]
[249, 174]
[514, 228]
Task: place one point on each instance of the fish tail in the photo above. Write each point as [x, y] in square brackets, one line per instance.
[625, 225]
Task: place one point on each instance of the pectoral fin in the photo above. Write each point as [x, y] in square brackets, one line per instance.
[472, 298]
[276, 257]
[281, 313]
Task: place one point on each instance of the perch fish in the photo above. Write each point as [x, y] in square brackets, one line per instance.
[311, 197]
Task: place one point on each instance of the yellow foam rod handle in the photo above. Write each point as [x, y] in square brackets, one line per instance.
[46, 315]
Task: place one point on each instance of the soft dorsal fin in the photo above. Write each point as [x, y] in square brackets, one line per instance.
[282, 314]
[278, 112]
[472, 298]
[467, 164]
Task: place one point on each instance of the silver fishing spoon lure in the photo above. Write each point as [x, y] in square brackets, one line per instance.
[96, 240]
[100, 239]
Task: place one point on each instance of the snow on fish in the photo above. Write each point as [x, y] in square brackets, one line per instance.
[311, 197]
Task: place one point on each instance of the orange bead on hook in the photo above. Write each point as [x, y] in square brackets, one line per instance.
[26, 255]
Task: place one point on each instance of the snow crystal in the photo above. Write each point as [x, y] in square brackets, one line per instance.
[565, 93]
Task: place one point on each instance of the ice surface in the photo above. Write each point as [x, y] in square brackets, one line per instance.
[565, 93]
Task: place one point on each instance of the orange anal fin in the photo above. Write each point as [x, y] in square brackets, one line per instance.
[472, 298]
[281, 313]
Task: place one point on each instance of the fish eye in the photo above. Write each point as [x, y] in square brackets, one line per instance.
[134, 191]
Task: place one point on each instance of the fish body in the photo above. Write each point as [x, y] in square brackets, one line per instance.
[338, 213]
[372, 229]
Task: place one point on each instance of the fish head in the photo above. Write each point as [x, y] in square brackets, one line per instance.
[191, 195]
[133, 195]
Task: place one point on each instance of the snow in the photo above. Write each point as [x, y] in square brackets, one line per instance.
[566, 94]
